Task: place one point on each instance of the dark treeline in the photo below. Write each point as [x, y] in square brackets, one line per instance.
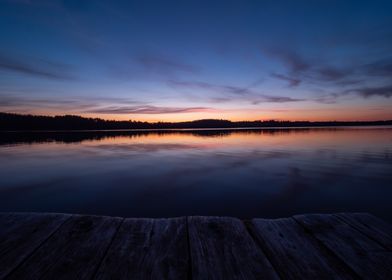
[30, 122]
[29, 137]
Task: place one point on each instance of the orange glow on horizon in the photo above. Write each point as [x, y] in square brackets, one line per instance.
[300, 115]
[336, 114]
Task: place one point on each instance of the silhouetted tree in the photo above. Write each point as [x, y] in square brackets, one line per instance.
[10, 122]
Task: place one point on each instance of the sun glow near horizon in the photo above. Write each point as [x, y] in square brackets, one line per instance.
[315, 114]
[308, 69]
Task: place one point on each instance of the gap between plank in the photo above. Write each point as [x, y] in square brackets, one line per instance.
[39, 246]
[360, 231]
[190, 268]
[329, 251]
[249, 228]
[107, 249]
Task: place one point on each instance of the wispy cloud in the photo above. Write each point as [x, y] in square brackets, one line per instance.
[229, 93]
[380, 68]
[293, 82]
[362, 79]
[160, 64]
[148, 109]
[35, 67]
[210, 87]
[291, 59]
[150, 65]
[100, 105]
[71, 104]
[331, 98]
[366, 92]
[277, 99]
[11, 103]
[300, 69]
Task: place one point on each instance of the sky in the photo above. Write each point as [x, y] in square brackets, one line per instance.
[186, 60]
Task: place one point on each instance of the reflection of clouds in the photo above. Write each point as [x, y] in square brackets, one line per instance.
[159, 176]
[254, 158]
[376, 157]
[296, 185]
[166, 173]
[140, 147]
[209, 170]
[174, 182]
[33, 186]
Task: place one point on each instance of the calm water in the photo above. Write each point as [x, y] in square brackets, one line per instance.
[244, 173]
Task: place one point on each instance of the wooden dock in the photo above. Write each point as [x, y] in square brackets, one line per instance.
[60, 246]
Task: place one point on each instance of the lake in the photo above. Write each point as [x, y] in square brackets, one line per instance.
[243, 173]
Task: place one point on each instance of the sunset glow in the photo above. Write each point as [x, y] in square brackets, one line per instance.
[171, 61]
[195, 139]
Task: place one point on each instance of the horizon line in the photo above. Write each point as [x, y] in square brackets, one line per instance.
[195, 120]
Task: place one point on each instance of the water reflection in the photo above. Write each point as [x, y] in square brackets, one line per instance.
[245, 173]
[19, 137]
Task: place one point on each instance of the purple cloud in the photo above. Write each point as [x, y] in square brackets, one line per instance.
[293, 82]
[292, 60]
[148, 109]
[366, 92]
[164, 65]
[35, 67]
[228, 92]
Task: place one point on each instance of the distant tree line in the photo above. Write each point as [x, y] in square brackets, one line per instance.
[70, 122]
[64, 136]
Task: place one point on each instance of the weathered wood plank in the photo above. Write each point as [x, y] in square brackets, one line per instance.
[21, 234]
[72, 252]
[221, 248]
[294, 253]
[371, 226]
[56, 246]
[366, 257]
[148, 249]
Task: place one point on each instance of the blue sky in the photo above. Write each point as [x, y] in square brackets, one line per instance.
[184, 60]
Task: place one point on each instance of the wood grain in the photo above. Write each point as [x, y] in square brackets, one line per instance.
[73, 252]
[296, 254]
[221, 248]
[58, 246]
[364, 256]
[372, 227]
[21, 234]
[148, 249]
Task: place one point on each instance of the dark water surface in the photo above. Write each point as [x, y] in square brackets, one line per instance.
[243, 173]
